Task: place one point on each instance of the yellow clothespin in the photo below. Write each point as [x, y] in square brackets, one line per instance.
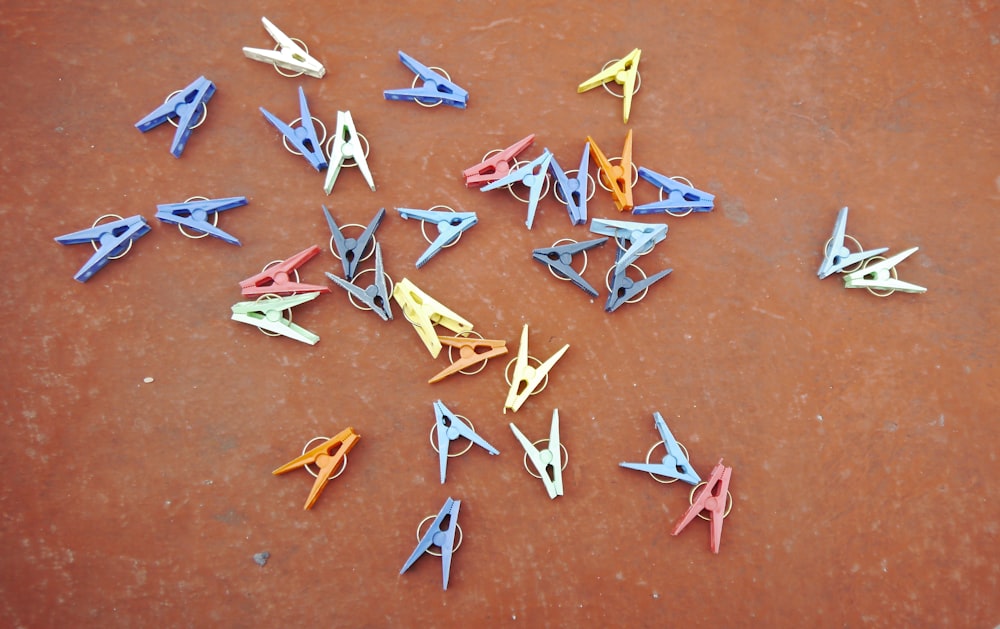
[619, 176]
[624, 72]
[424, 312]
[526, 379]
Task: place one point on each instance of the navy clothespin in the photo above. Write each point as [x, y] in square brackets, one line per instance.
[303, 137]
[194, 214]
[443, 538]
[450, 226]
[559, 259]
[376, 296]
[185, 105]
[641, 237]
[622, 289]
[351, 250]
[449, 428]
[681, 200]
[532, 175]
[674, 465]
[574, 191]
[836, 255]
[111, 241]
[436, 89]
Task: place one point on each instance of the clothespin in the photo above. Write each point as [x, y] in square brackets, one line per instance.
[345, 145]
[184, 105]
[836, 255]
[450, 226]
[622, 289]
[267, 313]
[194, 214]
[288, 54]
[624, 72]
[680, 196]
[531, 175]
[618, 175]
[526, 378]
[443, 538]
[327, 456]
[436, 89]
[880, 275]
[110, 240]
[641, 237]
[674, 464]
[424, 312]
[375, 297]
[559, 259]
[548, 462]
[303, 137]
[450, 427]
[350, 251]
[574, 191]
[715, 498]
[276, 279]
[496, 164]
[469, 354]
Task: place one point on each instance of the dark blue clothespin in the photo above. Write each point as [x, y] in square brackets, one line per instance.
[559, 259]
[376, 296]
[351, 250]
[681, 200]
[622, 289]
[111, 241]
[532, 175]
[436, 89]
[450, 226]
[574, 191]
[443, 538]
[674, 465]
[302, 137]
[449, 428]
[194, 214]
[640, 237]
[185, 105]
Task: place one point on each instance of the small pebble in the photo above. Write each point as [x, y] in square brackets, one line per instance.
[147, 379]
[261, 558]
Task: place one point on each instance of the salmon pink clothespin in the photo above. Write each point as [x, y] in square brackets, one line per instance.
[276, 277]
[712, 496]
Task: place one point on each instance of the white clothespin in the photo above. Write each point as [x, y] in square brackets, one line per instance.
[344, 145]
[881, 276]
[549, 462]
[288, 55]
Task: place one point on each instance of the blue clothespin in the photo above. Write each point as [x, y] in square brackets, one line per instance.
[111, 241]
[376, 295]
[449, 428]
[443, 538]
[351, 250]
[436, 89]
[640, 236]
[622, 289]
[450, 225]
[302, 137]
[681, 200]
[574, 191]
[194, 214]
[837, 257]
[674, 464]
[532, 175]
[184, 105]
[559, 259]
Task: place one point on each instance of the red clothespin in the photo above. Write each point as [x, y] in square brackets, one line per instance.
[496, 164]
[713, 497]
[275, 279]
[618, 176]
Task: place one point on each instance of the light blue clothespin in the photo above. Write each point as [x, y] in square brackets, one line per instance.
[880, 276]
[185, 105]
[574, 191]
[268, 315]
[559, 259]
[622, 289]
[681, 200]
[449, 428]
[443, 538]
[376, 295]
[194, 214]
[450, 226]
[548, 462]
[640, 236]
[674, 464]
[435, 90]
[351, 250]
[837, 256]
[111, 241]
[303, 137]
[532, 175]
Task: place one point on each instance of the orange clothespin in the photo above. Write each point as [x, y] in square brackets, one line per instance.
[618, 176]
[713, 497]
[327, 461]
[469, 354]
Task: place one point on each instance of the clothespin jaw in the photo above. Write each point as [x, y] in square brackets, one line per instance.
[674, 464]
[375, 296]
[327, 457]
[574, 190]
[624, 73]
[268, 315]
[424, 312]
[526, 378]
[618, 176]
[681, 198]
[290, 55]
[622, 289]
[880, 276]
[351, 250]
[111, 241]
[559, 259]
[496, 165]
[642, 237]
[346, 145]
[449, 428]
[712, 497]
[303, 137]
[184, 105]
[276, 279]
[450, 226]
[548, 462]
[436, 89]
[837, 256]
[443, 538]
[469, 354]
[194, 214]
[531, 175]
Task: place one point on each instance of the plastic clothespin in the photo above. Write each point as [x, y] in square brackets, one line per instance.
[436, 89]
[268, 315]
[495, 166]
[183, 105]
[443, 538]
[622, 289]
[681, 200]
[276, 279]
[449, 428]
[351, 250]
[624, 72]
[837, 257]
[574, 191]
[619, 176]
[642, 237]
[880, 276]
[526, 378]
[559, 259]
[111, 241]
[469, 354]
[450, 226]
[375, 296]
[327, 460]
[531, 175]
[303, 137]
[714, 497]
[289, 55]
[674, 464]
[424, 312]
[345, 145]
[194, 214]
[548, 462]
